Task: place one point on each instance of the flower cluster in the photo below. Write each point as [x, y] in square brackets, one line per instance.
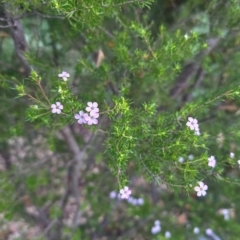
[64, 75]
[125, 193]
[193, 125]
[135, 201]
[226, 213]
[91, 117]
[57, 107]
[131, 200]
[210, 233]
[181, 159]
[201, 189]
[212, 162]
[156, 228]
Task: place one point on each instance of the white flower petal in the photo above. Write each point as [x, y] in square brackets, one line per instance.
[197, 188]
[95, 104]
[89, 104]
[205, 187]
[77, 116]
[204, 193]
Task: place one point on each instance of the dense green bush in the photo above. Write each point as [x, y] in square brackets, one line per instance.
[164, 75]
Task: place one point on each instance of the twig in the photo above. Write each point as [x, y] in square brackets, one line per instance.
[49, 16]
[40, 86]
[18, 37]
[123, 3]
[50, 225]
[192, 69]
[107, 32]
[158, 179]
[39, 14]
[73, 174]
[6, 160]
[197, 81]
[6, 26]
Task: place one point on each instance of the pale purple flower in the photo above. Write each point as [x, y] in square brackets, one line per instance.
[135, 201]
[64, 75]
[119, 196]
[92, 107]
[140, 201]
[210, 233]
[132, 201]
[168, 234]
[192, 123]
[157, 227]
[201, 189]
[125, 192]
[92, 118]
[157, 222]
[113, 194]
[238, 162]
[212, 162]
[232, 154]
[56, 108]
[81, 117]
[196, 230]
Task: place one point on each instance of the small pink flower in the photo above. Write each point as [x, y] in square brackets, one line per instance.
[125, 193]
[56, 108]
[192, 123]
[81, 117]
[201, 189]
[92, 107]
[64, 75]
[92, 118]
[212, 162]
